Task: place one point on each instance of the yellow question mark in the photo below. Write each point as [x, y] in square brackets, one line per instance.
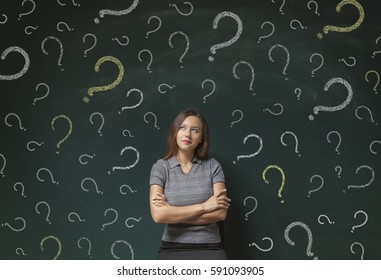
[328, 28]
[283, 178]
[92, 90]
[68, 134]
[56, 239]
[378, 79]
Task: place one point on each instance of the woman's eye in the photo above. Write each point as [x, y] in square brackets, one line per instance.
[195, 130]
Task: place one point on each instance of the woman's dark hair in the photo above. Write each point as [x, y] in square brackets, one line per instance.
[202, 150]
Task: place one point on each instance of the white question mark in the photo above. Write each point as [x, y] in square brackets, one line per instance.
[136, 105]
[31, 149]
[25, 67]
[155, 29]
[271, 32]
[4, 164]
[321, 184]
[22, 188]
[324, 216]
[338, 169]
[93, 182]
[376, 52]
[281, 7]
[319, 66]
[128, 187]
[253, 154]
[252, 73]
[361, 246]
[59, 28]
[102, 121]
[18, 120]
[127, 40]
[348, 63]
[367, 109]
[183, 13]
[370, 146]
[129, 166]
[154, 117]
[150, 58]
[186, 48]
[370, 181]
[363, 223]
[124, 242]
[377, 79]
[309, 233]
[298, 23]
[232, 40]
[60, 45]
[75, 214]
[45, 95]
[316, 6]
[28, 28]
[92, 46]
[29, 12]
[88, 242]
[338, 142]
[85, 155]
[239, 119]
[213, 88]
[16, 229]
[287, 60]
[128, 132]
[50, 175]
[20, 251]
[338, 107]
[261, 249]
[5, 19]
[275, 113]
[296, 140]
[131, 218]
[255, 206]
[48, 211]
[114, 220]
[298, 92]
[161, 90]
[104, 12]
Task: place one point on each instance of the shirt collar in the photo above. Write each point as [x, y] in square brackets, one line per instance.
[173, 162]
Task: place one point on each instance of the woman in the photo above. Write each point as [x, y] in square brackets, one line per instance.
[187, 192]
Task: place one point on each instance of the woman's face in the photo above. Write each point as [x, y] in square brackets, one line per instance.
[189, 134]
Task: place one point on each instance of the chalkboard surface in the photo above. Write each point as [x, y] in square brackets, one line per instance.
[290, 90]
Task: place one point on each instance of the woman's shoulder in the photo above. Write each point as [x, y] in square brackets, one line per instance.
[212, 161]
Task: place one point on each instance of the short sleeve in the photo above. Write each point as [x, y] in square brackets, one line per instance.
[158, 175]
[217, 172]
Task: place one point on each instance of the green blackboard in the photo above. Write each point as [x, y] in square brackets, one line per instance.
[290, 89]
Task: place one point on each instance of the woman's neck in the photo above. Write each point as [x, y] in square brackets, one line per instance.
[184, 158]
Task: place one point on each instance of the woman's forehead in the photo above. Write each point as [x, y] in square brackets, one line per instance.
[192, 121]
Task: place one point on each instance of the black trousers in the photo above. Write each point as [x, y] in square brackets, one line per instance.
[176, 251]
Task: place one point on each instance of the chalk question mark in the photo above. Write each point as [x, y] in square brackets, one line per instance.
[67, 134]
[377, 79]
[354, 26]
[154, 118]
[45, 95]
[283, 178]
[373, 175]
[28, 12]
[18, 120]
[253, 154]
[23, 226]
[261, 249]
[48, 210]
[114, 220]
[186, 47]
[213, 88]
[4, 164]
[270, 33]
[255, 206]
[296, 140]
[321, 184]
[214, 48]
[123, 242]
[239, 119]
[136, 105]
[251, 70]
[93, 182]
[183, 13]
[55, 239]
[155, 29]
[102, 121]
[89, 245]
[104, 12]
[60, 45]
[361, 224]
[341, 106]
[119, 78]
[309, 234]
[129, 166]
[287, 57]
[92, 46]
[25, 67]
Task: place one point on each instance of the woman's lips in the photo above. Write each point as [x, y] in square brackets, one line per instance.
[186, 141]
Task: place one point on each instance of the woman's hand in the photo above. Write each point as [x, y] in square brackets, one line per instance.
[159, 199]
[217, 201]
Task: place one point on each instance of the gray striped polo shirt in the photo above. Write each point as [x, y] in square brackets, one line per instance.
[181, 189]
